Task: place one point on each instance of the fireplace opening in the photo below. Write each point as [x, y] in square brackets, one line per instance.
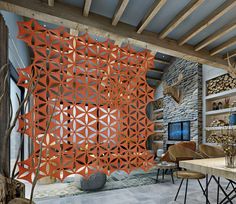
[179, 131]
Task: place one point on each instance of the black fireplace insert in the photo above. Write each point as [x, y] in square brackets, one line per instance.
[179, 131]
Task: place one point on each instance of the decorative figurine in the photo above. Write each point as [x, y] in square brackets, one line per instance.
[227, 102]
[214, 106]
[220, 105]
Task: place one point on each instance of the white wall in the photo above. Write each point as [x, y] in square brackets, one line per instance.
[208, 72]
[18, 51]
[158, 92]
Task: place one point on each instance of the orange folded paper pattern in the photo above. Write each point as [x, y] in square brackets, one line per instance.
[88, 106]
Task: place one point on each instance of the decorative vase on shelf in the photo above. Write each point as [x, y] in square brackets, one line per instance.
[220, 105]
[214, 106]
[226, 102]
[232, 119]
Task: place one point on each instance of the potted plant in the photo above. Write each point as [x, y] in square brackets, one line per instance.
[227, 139]
[12, 190]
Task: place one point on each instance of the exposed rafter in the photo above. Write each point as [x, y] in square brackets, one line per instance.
[230, 55]
[158, 4]
[156, 70]
[161, 61]
[87, 4]
[219, 12]
[188, 10]
[71, 17]
[119, 11]
[153, 78]
[50, 2]
[225, 45]
[220, 33]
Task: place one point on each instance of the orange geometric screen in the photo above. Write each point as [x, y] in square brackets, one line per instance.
[92, 95]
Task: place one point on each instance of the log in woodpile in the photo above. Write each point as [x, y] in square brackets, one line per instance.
[10, 189]
[158, 104]
[221, 83]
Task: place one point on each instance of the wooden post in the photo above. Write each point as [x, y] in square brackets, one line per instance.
[5, 104]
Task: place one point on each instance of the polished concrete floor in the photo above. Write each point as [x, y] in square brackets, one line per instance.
[160, 193]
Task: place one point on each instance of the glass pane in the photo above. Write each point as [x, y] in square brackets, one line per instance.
[174, 131]
[15, 138]
[186, 130]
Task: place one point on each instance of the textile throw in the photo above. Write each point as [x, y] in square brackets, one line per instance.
[88, 107]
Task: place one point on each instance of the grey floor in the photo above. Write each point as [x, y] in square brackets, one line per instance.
[161, 193]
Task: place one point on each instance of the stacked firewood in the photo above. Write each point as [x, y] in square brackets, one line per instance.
[222, 83]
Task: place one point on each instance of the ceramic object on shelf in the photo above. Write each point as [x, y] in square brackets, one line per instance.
[214, 106]
[226, 102]
[220, 105]
[233, 104]
[232, 119]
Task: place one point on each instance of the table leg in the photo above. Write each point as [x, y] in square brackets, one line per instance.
[171, 173]
[222, 189]
[186, 191]
[206, 188]
[204, 191]
[163, 174]
[218, 188]
[158, 171]
[228, 185]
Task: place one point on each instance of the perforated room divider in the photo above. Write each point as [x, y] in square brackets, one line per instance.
[88, 107]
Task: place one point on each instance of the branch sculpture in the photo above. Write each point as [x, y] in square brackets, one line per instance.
[9, 181]
[231, 67]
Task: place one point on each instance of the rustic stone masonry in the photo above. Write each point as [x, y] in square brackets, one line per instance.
[190, 107]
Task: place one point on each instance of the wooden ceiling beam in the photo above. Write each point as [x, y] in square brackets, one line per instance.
[223, 46]
[161, 61]
[156, 7]
[87, 5]
[119, 11]
[230, 55]
[71, 17]
[51, 2]
[218, 34]
[219, 12]
[155, 70]
[153, 78]
[188, 10]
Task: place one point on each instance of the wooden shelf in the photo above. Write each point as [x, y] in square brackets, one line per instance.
[221, 111]
[158, 121]
[158, 110]
[223, 94]
[157, 141]
[159, 131]
[220, 128]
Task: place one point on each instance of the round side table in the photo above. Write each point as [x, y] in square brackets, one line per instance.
[164, 167]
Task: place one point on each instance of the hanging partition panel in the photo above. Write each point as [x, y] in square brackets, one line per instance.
[89, 105]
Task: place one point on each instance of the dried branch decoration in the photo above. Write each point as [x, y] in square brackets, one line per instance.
[231, 67]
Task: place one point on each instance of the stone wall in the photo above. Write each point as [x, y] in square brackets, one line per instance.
[190, 107]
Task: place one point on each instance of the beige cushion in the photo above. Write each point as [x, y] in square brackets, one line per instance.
[189, 175]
